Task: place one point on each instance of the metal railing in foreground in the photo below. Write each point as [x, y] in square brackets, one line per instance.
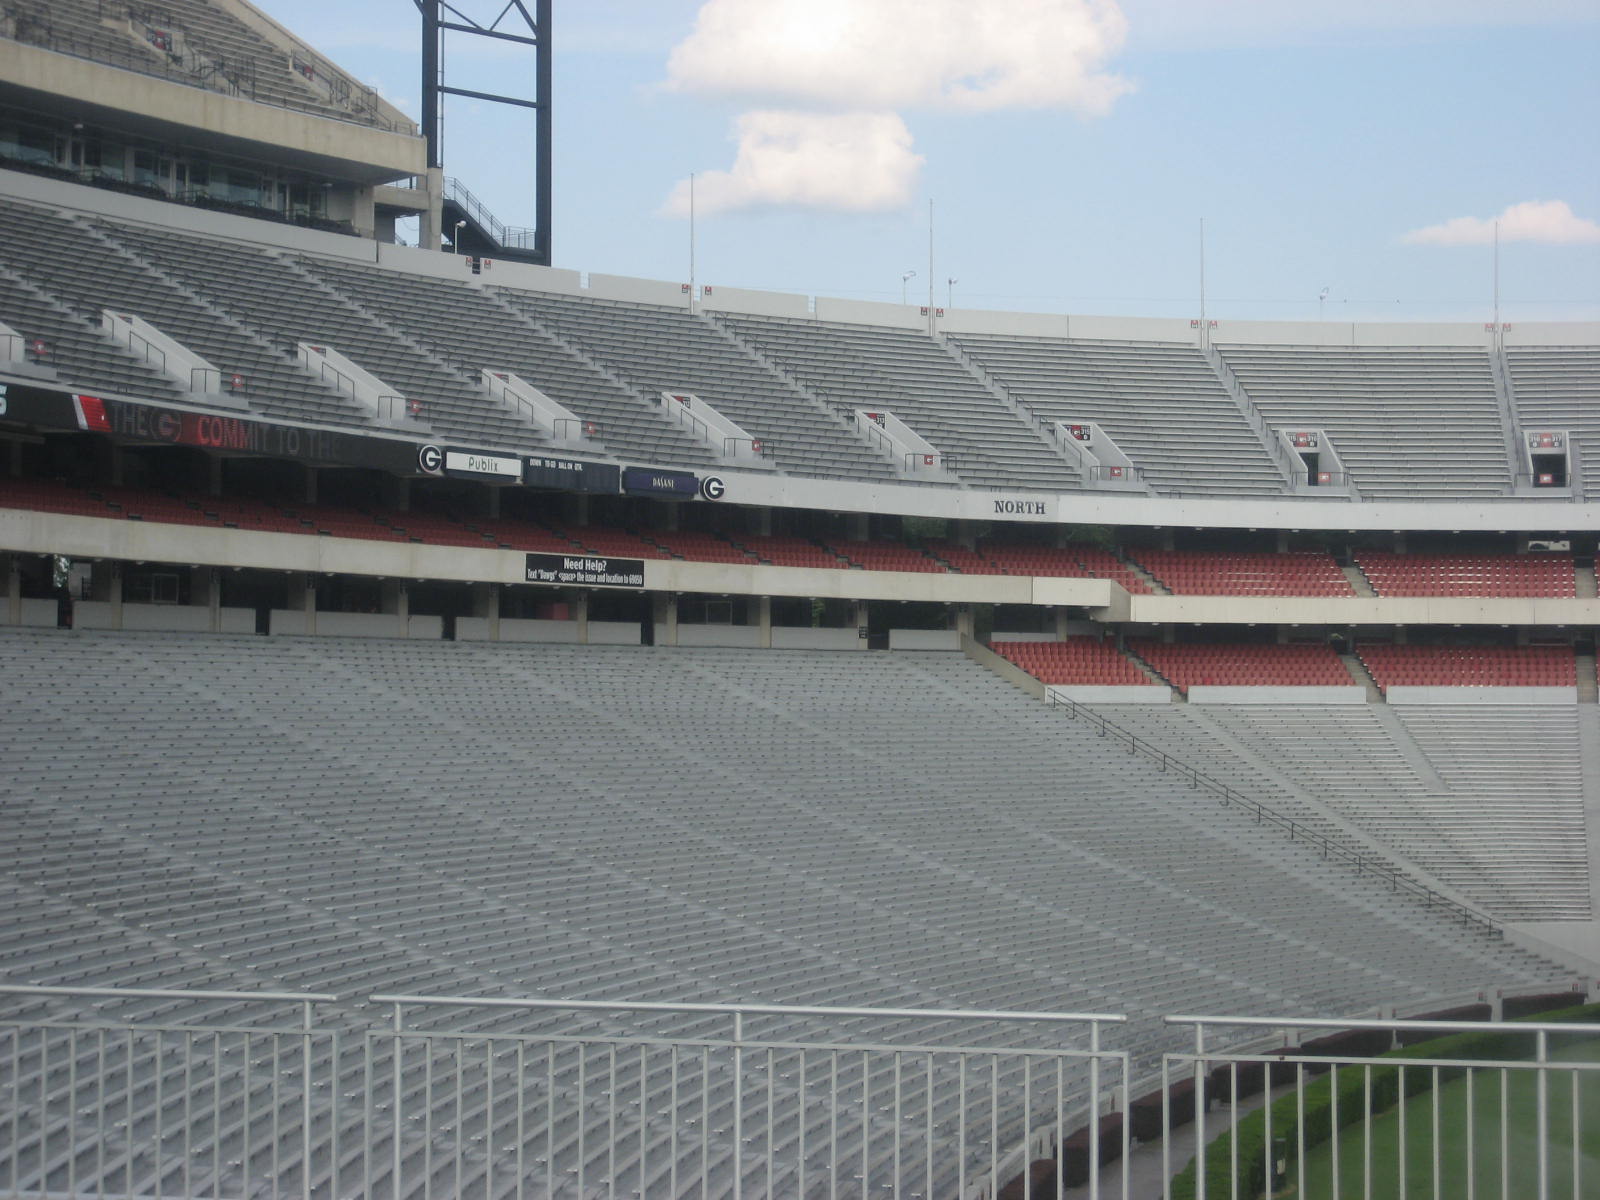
[645, 1099]
[1298, 831]
[164, 1092]
[1491, 1109]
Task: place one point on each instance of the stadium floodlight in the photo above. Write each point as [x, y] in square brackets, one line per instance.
[1322, 298]
[455, 240]
[950, 292]
[905, 279]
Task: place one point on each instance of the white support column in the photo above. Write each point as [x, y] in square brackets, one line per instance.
[580, 614]
[764, 619]
[13, 569]
[861, 619]
[664, 612]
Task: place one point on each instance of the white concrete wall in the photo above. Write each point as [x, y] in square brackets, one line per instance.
[424, 628]
[39, 613]
[343, 624]
[639, 291]
[1086, 693]
[236, 620]
[924, 639]
[613, 633]
[871, 312]
[744, 636]
[1482, 695]
[517, 629]
[1220, 694]
[761, 304]
[799, 637]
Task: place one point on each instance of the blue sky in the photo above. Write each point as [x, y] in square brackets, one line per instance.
[1070, 147]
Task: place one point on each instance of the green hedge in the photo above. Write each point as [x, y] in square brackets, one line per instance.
[1320, 1099]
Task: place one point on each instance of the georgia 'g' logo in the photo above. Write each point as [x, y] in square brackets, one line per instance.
[713, 488]
[430, 459]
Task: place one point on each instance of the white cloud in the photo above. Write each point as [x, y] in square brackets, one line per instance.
[851, 162]
[1549, 221]
[975, 55]
[1187, 25]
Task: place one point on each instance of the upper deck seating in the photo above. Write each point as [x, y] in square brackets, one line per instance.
[62, 259]
[1224, 573]
[784, 827]
[1161, 403]
[1409, 423]
[671, 350]
[920, 382]
[1469, 574]
[1469, 666]
[223, 52]
[1240, 664]
[475, 330]
[1082, 660]
[1558, 388]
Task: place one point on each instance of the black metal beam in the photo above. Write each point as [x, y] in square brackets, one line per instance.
[430, 79]
[478, 31]
[442, 16]
[542, 128]
[490, 96]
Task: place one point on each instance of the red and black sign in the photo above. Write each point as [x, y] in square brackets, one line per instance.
[44, 408]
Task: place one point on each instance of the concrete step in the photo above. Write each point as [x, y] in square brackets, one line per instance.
[1588, 689]
[1360, 675]
[1358, 580]
[1585, 582]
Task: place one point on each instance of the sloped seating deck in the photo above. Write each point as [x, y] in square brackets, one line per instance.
[1558, 388]
[475, 330]
[1469, 574]
[920, 382]
[79, 275]
[1469, 666]
[1471, 823]
[1221, 573]
[1410, 423]
[670, 350]
[1081, 660]
[1162, 404]
[1240, 664]
[785, 827]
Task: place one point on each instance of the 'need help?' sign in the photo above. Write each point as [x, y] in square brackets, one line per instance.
[585, 570]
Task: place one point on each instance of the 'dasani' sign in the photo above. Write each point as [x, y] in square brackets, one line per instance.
[585, 570]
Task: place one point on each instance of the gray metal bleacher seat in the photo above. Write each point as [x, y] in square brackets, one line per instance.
[662, 349]
[1410, 423]
[1161, 403]
[921, 383]
[1558, 388]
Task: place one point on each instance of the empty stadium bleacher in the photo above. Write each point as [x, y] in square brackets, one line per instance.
[1161, 403]
[1409, 422]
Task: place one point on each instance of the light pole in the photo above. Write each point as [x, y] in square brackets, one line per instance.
[455, 241]
[905, 279]
[1322, 298]
[950, 293]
